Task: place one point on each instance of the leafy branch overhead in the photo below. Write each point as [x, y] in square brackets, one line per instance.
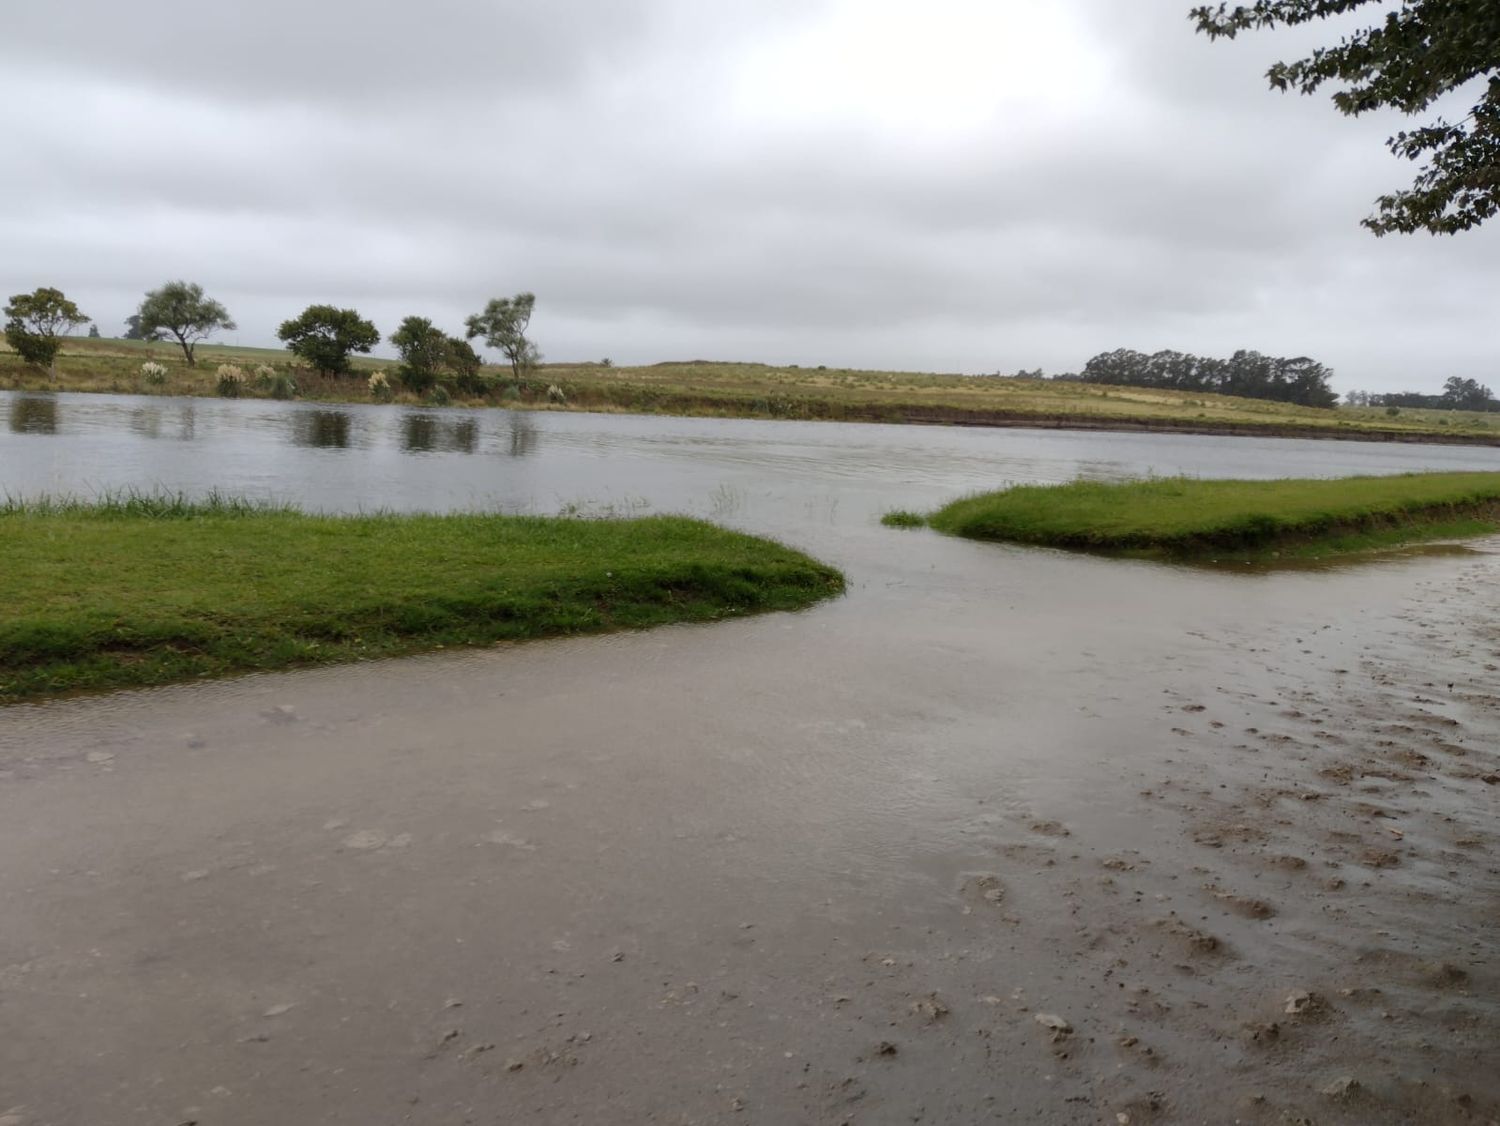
[1418, 52]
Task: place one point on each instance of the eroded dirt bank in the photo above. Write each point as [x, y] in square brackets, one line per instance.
[1003, 836]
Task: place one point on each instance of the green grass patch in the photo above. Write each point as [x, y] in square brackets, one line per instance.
[1184, 517]
[901, 518]
[149, 590]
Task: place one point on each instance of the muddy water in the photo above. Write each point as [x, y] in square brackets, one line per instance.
[827, 867]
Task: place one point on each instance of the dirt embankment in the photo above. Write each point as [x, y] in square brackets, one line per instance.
[630, 397]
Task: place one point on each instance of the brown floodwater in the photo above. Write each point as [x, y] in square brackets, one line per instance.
[1003, 835]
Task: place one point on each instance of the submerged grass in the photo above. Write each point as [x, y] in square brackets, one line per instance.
[901, 518]
[143, 590]
[1185, 517]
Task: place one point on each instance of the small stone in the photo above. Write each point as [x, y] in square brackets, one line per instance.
[501, 837]
[99, 758]
[364, 839]
[1445, 975]
[1300, 1002]
[886, 1048]
[1342, 1088]
[279, 1010]
[1265, 1033]
[1054, 1023]
[930, 1008]
[514, 1065]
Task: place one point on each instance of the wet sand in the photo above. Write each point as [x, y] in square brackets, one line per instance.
[1002, 836]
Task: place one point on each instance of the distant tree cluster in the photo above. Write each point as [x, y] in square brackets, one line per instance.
[429, 355]
[1248, 374]
[1459, 394]
[324, 336]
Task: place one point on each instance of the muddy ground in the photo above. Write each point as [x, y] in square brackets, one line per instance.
[1003, 836]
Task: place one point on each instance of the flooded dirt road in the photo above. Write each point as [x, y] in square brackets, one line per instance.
[1004, 835]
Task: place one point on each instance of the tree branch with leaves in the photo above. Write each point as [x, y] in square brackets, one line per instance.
[1417, 53]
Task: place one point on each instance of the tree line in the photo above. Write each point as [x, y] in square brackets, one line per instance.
[1250, 375]
[324, 336]
[1458, 394]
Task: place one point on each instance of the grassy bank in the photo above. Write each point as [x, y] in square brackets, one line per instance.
[142, 591]
[765, 391]
[1181, 517]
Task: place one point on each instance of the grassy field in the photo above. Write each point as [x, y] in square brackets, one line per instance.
[762, 391]
[148, 590]
[1182, 517]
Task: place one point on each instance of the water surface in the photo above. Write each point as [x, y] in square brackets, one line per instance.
[704, 873]
[768, 475]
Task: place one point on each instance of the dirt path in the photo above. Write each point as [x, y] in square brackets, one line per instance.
[1003, 836]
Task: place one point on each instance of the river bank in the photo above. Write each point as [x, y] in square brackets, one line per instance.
[740, 390]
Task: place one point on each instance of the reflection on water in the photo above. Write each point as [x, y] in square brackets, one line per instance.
[523, 435]
[178, 423]
[33, 414]
[146, 421]
[427, 433]
[1276, 564]
[187, 422]
[1094, 470]
[323, 430]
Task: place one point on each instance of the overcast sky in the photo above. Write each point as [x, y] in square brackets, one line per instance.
[960, 185]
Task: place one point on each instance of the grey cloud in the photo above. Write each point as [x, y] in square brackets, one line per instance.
[595, 152]
[361, 52]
